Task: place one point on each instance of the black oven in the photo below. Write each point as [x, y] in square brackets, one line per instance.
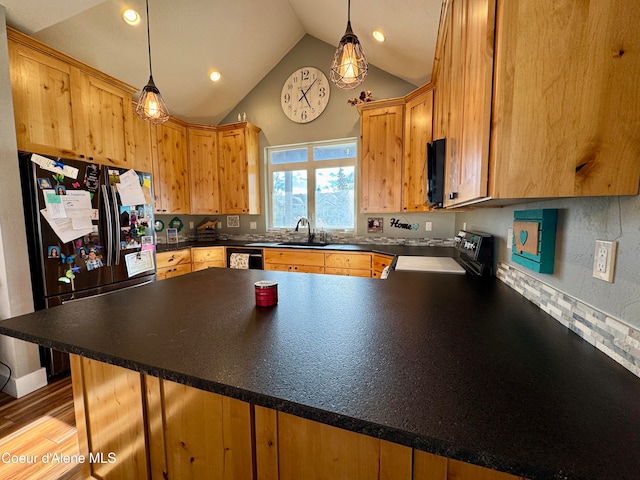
[253, 257]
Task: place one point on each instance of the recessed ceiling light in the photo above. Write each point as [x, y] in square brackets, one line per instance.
[378, 35]
[131, 16]
[214, 76]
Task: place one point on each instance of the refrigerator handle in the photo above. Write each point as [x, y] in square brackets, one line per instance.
[109, 233]
[116, 230]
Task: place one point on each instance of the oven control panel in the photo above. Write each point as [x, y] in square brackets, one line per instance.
[476, 250]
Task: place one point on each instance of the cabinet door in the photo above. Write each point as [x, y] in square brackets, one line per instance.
[566, 98]
[381, 159]
[41, 89]
[170, 173]
[106, 120]
[238, 167]
[418, 114]
[203, 171]
[142, 152]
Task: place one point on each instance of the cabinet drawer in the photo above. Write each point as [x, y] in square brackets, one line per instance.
[294, 257]
[176, 257]
[381, 261]
[294, 268]
[204, 265]
[348, 260]
[210, 254]
[349, 272]
[174, 271]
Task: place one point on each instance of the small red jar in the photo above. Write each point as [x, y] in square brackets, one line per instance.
[266, 293]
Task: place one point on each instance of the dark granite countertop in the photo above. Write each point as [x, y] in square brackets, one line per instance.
[388, 249]
[456, 365]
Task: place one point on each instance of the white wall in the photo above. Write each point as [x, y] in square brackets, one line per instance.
[15, 281]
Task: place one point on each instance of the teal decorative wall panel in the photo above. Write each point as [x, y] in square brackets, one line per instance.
[534, 239]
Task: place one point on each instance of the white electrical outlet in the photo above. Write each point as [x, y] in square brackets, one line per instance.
[253, 225]
[191, 225]
[428, 226]
[464, 225]
[604, 260]
[510, 238]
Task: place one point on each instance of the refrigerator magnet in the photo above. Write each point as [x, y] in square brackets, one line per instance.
[61, 190]
[92, 178]
[53, 251]
[93, 261]
[44, 183]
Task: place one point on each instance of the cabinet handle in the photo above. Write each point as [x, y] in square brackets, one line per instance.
[170, 260]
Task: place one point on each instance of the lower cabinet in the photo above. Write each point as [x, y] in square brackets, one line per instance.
[207, 257]
[146, 427]
[173, 263]
[290, 260]
[351, 264]
[380, 262]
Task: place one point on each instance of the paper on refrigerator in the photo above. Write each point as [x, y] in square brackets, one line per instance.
[130, 190]
[54, 166]
[139, 262]
[64, 228]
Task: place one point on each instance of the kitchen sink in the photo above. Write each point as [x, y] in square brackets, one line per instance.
[304, 244]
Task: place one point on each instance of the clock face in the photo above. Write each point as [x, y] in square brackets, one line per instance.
[305, 95]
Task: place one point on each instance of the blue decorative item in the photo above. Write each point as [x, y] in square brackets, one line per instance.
[534, 239]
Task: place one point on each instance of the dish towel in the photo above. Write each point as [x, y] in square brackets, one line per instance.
[239, 260]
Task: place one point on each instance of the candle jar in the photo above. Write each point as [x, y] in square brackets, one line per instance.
[266, 293]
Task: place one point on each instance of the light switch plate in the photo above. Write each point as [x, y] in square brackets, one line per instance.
[510, 238]
[604, 260]
[428, 226]
[253, 225]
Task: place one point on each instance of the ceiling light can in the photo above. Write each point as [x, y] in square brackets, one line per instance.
[131, 16]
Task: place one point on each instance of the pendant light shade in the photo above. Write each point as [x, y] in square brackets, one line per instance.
[151, 106]
[349, 67]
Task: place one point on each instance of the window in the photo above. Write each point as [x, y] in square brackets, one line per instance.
[314, 180]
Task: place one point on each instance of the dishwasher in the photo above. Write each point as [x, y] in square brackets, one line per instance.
[251, 258]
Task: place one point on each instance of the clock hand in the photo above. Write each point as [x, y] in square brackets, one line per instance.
[304, 95]
[304, 92]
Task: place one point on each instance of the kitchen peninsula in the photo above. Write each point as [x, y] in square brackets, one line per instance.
[393, 375]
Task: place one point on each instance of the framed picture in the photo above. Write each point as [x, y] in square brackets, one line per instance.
[233, 221]
[172, 235]
[374, 225]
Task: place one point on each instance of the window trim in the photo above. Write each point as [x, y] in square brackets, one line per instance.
[310, 166]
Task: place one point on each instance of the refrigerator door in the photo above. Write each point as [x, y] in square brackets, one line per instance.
[67, 225]
[133, 224]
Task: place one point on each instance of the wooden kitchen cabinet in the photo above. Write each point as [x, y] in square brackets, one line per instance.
[556, 121]
[381, 140]
[208, 257]
[349, 264]
[293, 260]
[173, 263]
[142, 151]
[170, 167]
[203, 170]
[418, 116]
[106, 118]
[238, 167]
[65, 108]
[380, 262]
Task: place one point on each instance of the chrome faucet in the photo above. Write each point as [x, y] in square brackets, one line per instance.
[305, 220]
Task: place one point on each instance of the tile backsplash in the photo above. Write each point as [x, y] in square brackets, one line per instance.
[608, 334]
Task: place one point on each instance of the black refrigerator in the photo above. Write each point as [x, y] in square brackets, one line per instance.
[90, 231]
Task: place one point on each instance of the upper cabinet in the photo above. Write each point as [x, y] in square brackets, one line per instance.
[170, 167]
[203, 170]
[381, 138]
[238, 167]
[537, 100]
[63, 107]
[418, 113]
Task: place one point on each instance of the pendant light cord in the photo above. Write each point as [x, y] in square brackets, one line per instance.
[149, 40]
[349, 11]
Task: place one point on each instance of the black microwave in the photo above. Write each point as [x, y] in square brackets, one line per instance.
[435, 172]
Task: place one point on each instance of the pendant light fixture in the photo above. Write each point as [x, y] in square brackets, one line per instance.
[349, 67]
[151, 106]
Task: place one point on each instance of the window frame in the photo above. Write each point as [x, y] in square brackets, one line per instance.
[310, 166]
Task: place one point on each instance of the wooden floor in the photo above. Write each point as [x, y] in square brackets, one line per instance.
[35, 426]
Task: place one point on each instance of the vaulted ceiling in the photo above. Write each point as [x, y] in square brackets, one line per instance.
[242, 39]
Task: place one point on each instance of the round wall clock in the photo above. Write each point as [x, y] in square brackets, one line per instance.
[305, 95]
